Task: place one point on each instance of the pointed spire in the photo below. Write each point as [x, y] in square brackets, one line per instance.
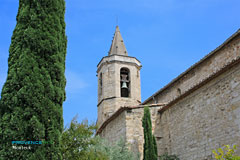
[117, 47]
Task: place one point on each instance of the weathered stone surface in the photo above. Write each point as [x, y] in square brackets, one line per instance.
[109, 99]
[134, 129]
[205, 120]
[115, 130]
[128, 125]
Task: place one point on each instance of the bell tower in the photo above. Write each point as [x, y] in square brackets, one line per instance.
[118, 80]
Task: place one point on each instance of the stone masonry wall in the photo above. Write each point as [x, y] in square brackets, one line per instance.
[110, 106]
[205, 120]
[134, 129]
[128, 125]
[116, 129]
[109, 97]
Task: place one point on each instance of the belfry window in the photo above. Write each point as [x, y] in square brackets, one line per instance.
[100, 84]
[124, 82]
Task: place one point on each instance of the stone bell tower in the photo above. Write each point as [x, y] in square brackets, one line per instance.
[118, 80]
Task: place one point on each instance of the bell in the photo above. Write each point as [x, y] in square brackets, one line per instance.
[124, 85]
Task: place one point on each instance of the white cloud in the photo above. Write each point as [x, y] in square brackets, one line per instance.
[74, 82]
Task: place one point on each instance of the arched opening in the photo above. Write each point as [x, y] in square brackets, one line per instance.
[125, 82]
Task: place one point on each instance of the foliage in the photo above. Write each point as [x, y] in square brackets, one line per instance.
[226, 154]
[33, 94]
[150, 147]
[155, 145]
[79, 143]
[165, 156]
[115, 151]
[77, 139]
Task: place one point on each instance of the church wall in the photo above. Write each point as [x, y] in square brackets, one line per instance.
[128, 125]
[110, 106]
[205, 120]
[134, 129]
[193, 76]
[108, 90]
[108, 81]
[105, 110]
[116, 129]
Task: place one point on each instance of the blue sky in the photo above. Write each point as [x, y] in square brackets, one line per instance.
[167, 36]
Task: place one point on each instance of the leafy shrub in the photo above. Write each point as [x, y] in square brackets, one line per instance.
[165, 156]
[226, 154]
[77, 139]
[118, 151]
[79, 142]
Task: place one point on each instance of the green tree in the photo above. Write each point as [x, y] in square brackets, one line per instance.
[155, 145]
[150, 147]
[117, 151]
[33, 94]
[79, 143]
[77, 140]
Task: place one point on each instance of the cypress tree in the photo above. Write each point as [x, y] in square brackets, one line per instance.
[33, 94]
[155, 146]
[150, 147]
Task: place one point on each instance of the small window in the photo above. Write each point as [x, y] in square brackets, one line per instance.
[100, 84]
[124, 82]
[179, 91]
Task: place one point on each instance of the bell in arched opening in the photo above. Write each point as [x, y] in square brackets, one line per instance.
[124, 82]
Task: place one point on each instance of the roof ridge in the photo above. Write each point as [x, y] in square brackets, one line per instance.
[194, 65]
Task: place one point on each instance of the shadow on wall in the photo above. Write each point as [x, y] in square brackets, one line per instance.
[162, 134]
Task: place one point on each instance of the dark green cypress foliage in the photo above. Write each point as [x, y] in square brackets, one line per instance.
[33, 94]
[155, 146]
[149, 150]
